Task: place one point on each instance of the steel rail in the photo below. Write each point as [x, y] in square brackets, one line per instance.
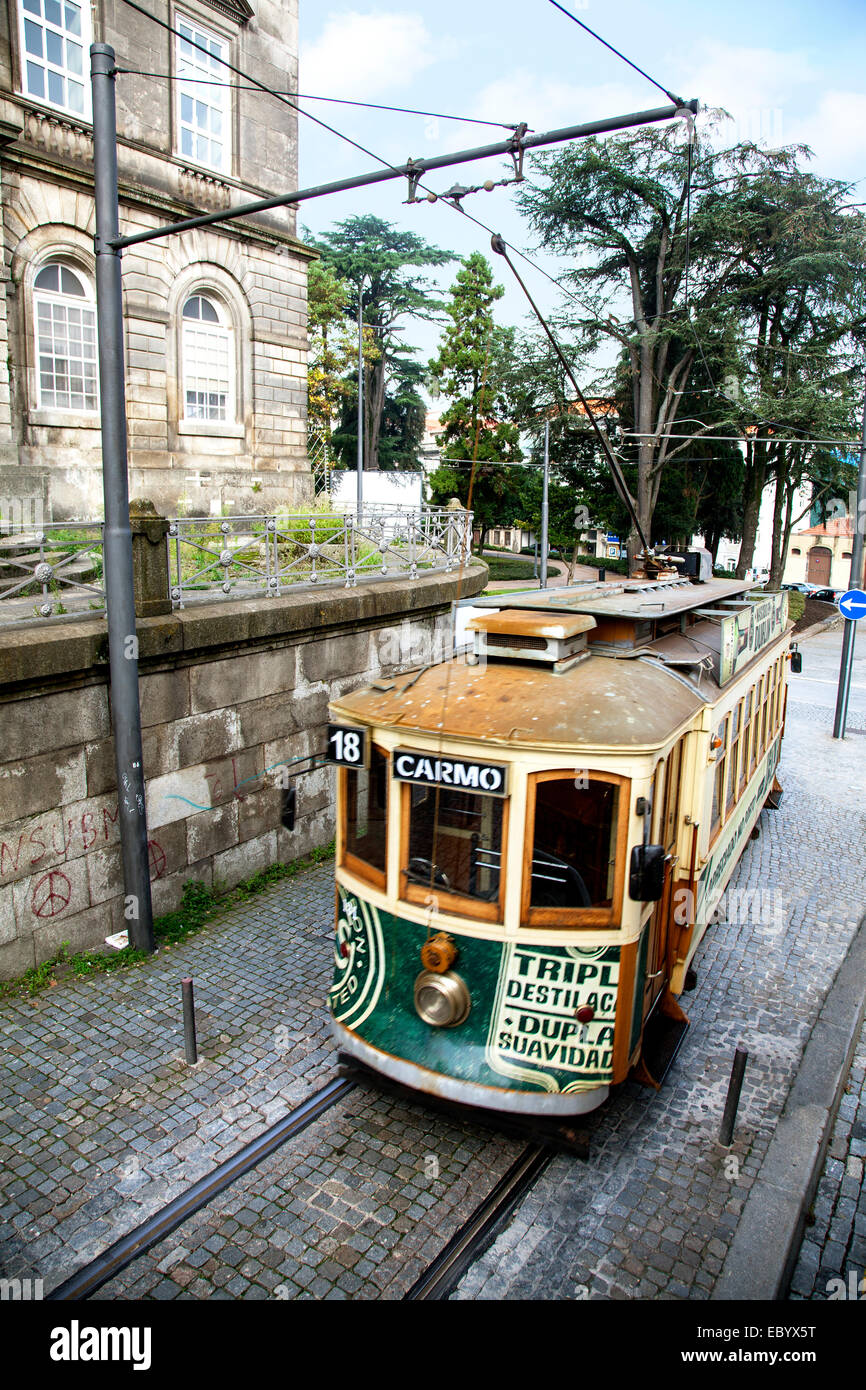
[440, 1278]
[138, 1241]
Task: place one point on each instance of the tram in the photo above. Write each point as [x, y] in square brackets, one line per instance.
[533, 836]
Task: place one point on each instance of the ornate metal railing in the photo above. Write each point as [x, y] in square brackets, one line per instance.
[53, 571]
[56, 571]
[269, 555]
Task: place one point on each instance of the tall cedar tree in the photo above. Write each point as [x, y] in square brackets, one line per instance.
[627, 213]
[376, 259]
[469, 369]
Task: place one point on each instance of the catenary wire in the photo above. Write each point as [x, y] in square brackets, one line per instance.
[309, 96]
[678, 101]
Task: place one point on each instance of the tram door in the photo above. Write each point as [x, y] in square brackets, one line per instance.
[665, 824]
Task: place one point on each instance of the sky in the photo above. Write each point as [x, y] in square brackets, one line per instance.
[786, 71]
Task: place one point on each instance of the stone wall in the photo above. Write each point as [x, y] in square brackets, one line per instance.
[230, 694]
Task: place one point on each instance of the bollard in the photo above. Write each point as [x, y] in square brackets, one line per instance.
[189, 1042]
[726, 1133]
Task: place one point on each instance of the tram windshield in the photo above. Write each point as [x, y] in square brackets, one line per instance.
[366, 800]
[455, 842]
[574, 846]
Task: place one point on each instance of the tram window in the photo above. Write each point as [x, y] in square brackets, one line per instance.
[454, 848]
[721, 739]
[365, 819]
[748, 712]
[574, 859]
[733, 756]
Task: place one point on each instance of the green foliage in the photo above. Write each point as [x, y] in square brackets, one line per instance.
[597, 562]
[509, 568]
[796, 605]
[377, 260]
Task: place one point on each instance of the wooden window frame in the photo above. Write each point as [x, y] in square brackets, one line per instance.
[720, 766]
[377, 878]
[444, 899]
[570, 918]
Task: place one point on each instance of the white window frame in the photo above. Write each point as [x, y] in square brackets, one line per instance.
[54, 34]
[53, 300]
[196, 334]
[206, 100]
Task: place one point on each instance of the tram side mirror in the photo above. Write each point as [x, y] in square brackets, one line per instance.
[646, 873]
[796, 661]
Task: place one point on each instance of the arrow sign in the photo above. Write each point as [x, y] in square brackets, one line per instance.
[853, 605]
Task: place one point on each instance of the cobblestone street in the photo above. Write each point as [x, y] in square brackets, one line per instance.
[102, 1122]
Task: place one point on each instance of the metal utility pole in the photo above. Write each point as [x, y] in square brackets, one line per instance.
[855, 582]
[360, 465]
[544, 504]
[119, 597]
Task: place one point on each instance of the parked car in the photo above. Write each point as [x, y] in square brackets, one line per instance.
[827, 595]
[808, 589]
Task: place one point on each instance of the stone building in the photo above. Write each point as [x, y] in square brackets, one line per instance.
[215, 318]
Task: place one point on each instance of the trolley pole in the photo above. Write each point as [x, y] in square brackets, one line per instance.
[545, 510]
[360, 464]
[119, 596]
[855, 582]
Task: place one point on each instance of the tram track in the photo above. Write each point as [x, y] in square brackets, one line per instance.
[137, 1242]
[436, 1282]
[475, 1235]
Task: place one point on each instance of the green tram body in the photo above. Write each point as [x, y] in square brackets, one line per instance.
[495, 821]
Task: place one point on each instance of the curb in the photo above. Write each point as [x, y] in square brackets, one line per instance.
[764, 1251]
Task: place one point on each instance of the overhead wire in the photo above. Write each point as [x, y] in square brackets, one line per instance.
[678, 101]
[309, 96]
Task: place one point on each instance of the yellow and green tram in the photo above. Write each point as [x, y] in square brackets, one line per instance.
[533, 836]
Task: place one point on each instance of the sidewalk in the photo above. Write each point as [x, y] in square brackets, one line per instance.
[102, 1122]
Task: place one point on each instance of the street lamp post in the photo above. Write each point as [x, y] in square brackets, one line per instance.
[360, 465]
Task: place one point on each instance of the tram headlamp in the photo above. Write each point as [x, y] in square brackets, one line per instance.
[441, 1000]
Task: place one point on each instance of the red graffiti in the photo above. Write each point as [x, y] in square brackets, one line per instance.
[51, 894]
[157, 857]
[62, 839]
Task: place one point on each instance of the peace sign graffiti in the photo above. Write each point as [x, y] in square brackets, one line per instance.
[51, 894]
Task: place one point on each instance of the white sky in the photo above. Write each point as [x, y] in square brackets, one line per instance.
[786, 70]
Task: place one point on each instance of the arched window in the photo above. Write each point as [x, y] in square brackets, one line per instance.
[65, 319]
[208, 360]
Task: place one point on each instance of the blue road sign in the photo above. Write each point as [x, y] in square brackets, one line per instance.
[853, 605]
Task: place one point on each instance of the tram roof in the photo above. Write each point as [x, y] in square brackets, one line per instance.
[631, 598]
[600, 703]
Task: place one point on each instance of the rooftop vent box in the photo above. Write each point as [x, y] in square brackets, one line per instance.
[514, 634]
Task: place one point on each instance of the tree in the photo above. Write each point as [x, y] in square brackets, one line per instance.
[332, 349]
[797, 293]
[375, 258]
[471, 369]
[634, 211]
[403, 416]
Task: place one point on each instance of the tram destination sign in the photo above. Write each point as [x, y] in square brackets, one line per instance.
[746, 632]
[439, 770]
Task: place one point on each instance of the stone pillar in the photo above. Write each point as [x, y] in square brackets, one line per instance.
[149, 559]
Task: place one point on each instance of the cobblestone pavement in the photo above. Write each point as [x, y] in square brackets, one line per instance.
[357, 1207]
[653, 1211]
[101, 1122]
[834, 1244]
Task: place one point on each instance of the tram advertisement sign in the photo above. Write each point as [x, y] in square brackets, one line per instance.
[720, 864]
[745, 633]
[435, 770]
[521, 1026]
[533, 1028]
